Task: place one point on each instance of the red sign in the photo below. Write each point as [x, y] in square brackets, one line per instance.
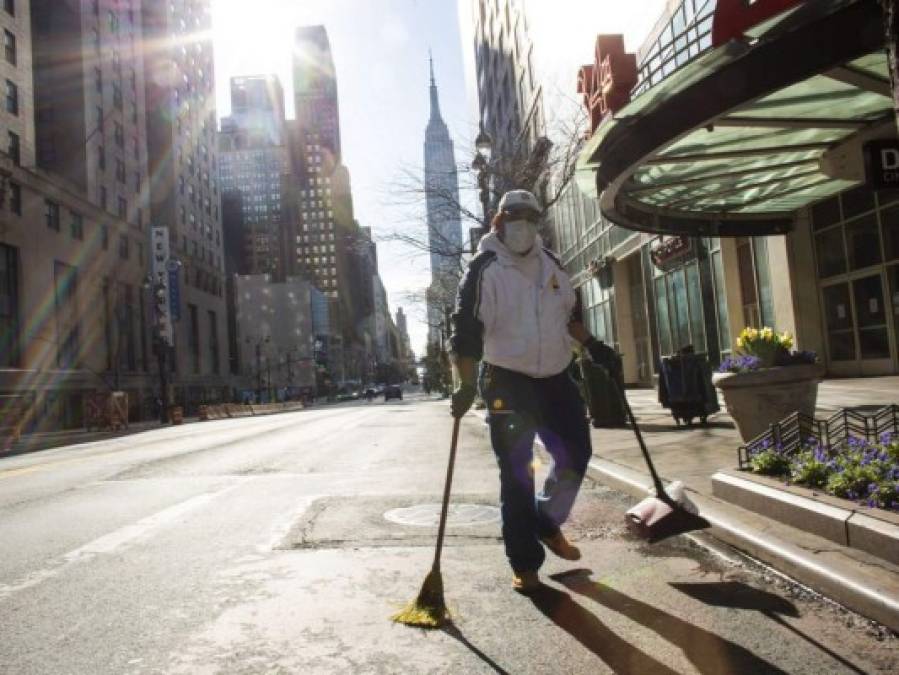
[735, 17]
[607, 83]
[671, 251]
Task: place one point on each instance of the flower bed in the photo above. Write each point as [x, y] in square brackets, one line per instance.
[856, 469]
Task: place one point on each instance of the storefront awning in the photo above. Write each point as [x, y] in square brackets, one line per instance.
[734, 142]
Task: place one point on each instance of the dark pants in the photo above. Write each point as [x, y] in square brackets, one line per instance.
[520, 407]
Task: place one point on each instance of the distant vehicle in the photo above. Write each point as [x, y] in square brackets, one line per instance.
[393, 391]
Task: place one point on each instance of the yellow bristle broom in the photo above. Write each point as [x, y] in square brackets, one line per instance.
[429, 610]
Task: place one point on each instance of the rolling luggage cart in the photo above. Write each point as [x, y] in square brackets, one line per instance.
[685, 387]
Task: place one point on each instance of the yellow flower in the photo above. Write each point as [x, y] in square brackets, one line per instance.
[767, 333]
[740, 342]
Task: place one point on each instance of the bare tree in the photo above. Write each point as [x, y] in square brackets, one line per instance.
[541, 166]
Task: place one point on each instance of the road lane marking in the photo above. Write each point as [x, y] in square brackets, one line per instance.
[111, 542]
[282, 528]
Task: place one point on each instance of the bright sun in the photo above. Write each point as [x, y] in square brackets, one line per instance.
[256, 41]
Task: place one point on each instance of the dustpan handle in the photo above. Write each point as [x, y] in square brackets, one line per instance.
[656, 481]
[446, 493]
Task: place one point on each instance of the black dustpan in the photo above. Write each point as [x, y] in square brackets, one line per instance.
[666, 513]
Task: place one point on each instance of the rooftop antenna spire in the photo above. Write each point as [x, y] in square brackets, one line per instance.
[431, 62]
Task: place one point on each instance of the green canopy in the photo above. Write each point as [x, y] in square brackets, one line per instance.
[734, 142]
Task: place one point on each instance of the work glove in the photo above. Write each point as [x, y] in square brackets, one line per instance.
[602, 354]
[462, 398]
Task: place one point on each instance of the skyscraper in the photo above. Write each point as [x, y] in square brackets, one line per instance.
[253, 163]
[443, 215]
[184, 193]
[330, 249]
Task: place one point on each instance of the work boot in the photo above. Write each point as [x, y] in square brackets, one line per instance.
[559, 545]
[525, 582]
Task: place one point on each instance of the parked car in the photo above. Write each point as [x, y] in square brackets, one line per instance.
[393, 391]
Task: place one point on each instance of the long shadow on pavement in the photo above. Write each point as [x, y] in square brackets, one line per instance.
[619, 654]
[738, 595]
[708, 652]
[453, 631]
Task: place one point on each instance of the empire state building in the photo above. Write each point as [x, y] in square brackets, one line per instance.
[443, 216]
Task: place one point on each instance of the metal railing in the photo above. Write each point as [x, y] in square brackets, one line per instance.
[798, 430]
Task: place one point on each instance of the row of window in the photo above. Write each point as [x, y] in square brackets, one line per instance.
[52, 219]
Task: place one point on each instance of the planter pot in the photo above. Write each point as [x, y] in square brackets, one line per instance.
[759, 398]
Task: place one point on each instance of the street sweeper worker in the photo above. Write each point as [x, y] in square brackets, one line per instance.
[516, 313]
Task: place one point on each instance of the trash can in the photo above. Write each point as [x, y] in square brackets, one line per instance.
[176, 414]
[603, 391]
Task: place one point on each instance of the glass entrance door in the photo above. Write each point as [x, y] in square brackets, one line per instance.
[860, 330]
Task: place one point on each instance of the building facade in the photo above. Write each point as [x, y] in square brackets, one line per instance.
[275, 336]
[443, 216]
[185, 195]
[253, 160]
[808, 241]
[73, 310]
[330, 248]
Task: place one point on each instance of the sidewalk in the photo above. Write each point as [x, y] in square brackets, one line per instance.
[862, 582]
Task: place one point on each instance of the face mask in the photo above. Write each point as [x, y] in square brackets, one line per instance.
[519, 236]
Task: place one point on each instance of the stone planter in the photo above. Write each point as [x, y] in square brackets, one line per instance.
[759, 398]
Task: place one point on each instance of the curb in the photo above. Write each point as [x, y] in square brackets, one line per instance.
[843, 583]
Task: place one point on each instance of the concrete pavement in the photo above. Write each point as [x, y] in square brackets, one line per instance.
[260, 545]
[863, 582]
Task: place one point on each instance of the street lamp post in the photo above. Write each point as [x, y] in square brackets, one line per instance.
[158, 295]
[483, 151]
[259, 342]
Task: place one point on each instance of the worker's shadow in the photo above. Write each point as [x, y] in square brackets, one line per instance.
[708, 652]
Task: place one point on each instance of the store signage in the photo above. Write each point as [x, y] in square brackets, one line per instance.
[606, 84]
[734, 17]
[881, 163]
[159, 237]
[671, 252]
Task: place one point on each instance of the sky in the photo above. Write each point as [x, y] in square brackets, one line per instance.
[380, 50]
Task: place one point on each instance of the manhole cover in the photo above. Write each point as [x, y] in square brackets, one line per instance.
[428, 515]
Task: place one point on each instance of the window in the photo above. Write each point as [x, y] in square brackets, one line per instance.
[66, 305]
[98, 79]
[194, 339]
[120, 170]
[213, 342]
[10, 7]
[9, 306]
[51, 214]
[14, 149]
[117, 96]
[15, 198]
[123, 208]
[119, 135]
[104, 200]
[9, 46]
[101, 158]
[123, 246]
[77, 226]
[12, 97]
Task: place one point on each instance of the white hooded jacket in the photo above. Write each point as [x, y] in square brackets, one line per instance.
[507, 319]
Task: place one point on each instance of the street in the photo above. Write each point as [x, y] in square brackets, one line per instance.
[261, 545]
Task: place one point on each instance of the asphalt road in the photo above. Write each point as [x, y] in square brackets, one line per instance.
[261, 546]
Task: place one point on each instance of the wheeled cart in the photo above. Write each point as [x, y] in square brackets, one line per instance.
[685, 387]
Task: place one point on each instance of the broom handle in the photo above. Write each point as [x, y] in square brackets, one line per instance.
[446, 495]
[656, 481]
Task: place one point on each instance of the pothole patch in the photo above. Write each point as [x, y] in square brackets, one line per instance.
[458, 515]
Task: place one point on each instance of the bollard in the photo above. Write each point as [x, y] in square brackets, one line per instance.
[176, 414]
[204, 413]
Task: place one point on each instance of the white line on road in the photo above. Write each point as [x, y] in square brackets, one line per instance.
[112, 541]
